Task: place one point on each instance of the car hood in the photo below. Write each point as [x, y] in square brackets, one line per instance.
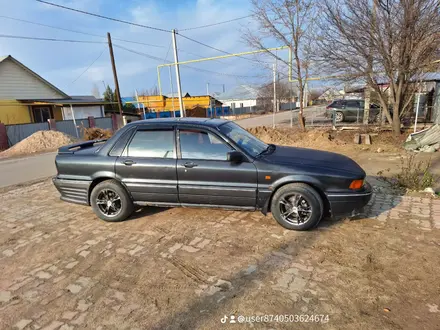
[315, 158]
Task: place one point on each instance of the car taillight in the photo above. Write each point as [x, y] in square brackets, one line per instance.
[356, 184]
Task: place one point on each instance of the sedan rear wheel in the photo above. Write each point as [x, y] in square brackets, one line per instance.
[110, 201]
[297, 206]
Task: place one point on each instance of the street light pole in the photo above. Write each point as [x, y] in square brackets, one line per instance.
[176, 63]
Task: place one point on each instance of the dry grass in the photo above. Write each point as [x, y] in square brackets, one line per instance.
[96, 133]
[415, 174]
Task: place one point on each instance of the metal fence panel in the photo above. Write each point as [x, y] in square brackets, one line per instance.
[104, 123]
[68, 127]
[16, 133]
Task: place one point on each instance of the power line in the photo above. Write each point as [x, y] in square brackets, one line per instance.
[103, 17]
[183, 66]
[89, 66]
[50, 39]
[219, 50]
[75, 31]
[218, 23]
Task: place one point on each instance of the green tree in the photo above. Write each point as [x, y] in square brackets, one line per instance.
[109, 96]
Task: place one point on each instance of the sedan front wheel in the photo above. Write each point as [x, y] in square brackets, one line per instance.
[297, 206]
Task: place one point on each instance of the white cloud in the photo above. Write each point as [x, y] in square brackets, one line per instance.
[61, 63]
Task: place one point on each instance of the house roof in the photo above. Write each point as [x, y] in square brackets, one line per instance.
[24, 67]
[74, 100]
[240, 92]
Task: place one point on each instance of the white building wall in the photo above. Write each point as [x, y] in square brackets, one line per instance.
[17, 83]
[246, 103]
[82, 112]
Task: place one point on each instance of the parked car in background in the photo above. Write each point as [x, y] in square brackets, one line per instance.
[200, 162]
[352, 110]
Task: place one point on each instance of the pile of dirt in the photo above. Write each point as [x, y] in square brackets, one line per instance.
[40, 141]
[325, 139]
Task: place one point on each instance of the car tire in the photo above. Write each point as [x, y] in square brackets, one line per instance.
[111, 190]
[339, 116]
[377, 118]
[315, 206]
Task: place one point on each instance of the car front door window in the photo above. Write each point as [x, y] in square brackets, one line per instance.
[195, 144]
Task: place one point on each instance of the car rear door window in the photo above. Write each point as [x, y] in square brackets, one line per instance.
[196, 144]
[353, 104]
[152, 144]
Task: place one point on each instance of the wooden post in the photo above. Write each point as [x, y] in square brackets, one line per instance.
[92, 122]
[3, 137]
[114, 122]
[52, 124]
[115, 75]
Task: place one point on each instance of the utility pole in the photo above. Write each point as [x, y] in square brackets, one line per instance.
[172, 93]
[274, 93]
[290, 104]
[210, 103]
[115, 75]
[367, 91]
[176, 63]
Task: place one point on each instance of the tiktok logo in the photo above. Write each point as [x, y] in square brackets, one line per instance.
[224, 319]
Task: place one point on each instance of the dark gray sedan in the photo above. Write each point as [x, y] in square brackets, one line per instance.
[200, 162]
[352, 110]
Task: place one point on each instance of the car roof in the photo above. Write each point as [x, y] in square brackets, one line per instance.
[212, 122]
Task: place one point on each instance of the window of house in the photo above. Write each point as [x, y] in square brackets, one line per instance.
[42, 114]
[195, 144]
[152, 144]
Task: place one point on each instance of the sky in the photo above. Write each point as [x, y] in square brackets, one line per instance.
[65, 64]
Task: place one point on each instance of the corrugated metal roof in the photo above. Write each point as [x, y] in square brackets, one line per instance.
[240, 92]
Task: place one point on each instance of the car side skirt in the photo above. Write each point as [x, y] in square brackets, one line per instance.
[226, 207]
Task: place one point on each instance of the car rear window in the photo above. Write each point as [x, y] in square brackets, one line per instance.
[336, 104]
[152, 144]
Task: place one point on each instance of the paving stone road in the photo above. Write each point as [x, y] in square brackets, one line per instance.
[62, 268]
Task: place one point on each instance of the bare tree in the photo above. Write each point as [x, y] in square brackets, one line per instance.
[386, 43]
[95, 91]
[265, 95]
[149, 92]
[288, 22]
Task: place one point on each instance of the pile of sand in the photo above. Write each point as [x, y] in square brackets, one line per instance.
[324, 139]
[40, 141]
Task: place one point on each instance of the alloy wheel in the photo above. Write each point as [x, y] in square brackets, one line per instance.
[339, 117]
[295, 209]
[109, 202]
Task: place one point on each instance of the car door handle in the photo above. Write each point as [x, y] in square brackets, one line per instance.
[190, 164]
[128, 162]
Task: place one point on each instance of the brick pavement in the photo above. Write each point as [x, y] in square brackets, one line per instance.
[62, 268]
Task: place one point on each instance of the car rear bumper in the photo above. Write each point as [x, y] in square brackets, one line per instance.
[74, 191]
[349, 202]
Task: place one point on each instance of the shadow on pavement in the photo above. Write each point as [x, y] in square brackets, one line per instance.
[283, 255]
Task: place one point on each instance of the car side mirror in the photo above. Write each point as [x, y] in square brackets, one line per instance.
[235, 157]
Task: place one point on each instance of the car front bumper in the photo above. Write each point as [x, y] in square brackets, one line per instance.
[348, 203]
[74, 191]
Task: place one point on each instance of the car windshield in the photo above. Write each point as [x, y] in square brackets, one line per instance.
[243, 138]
